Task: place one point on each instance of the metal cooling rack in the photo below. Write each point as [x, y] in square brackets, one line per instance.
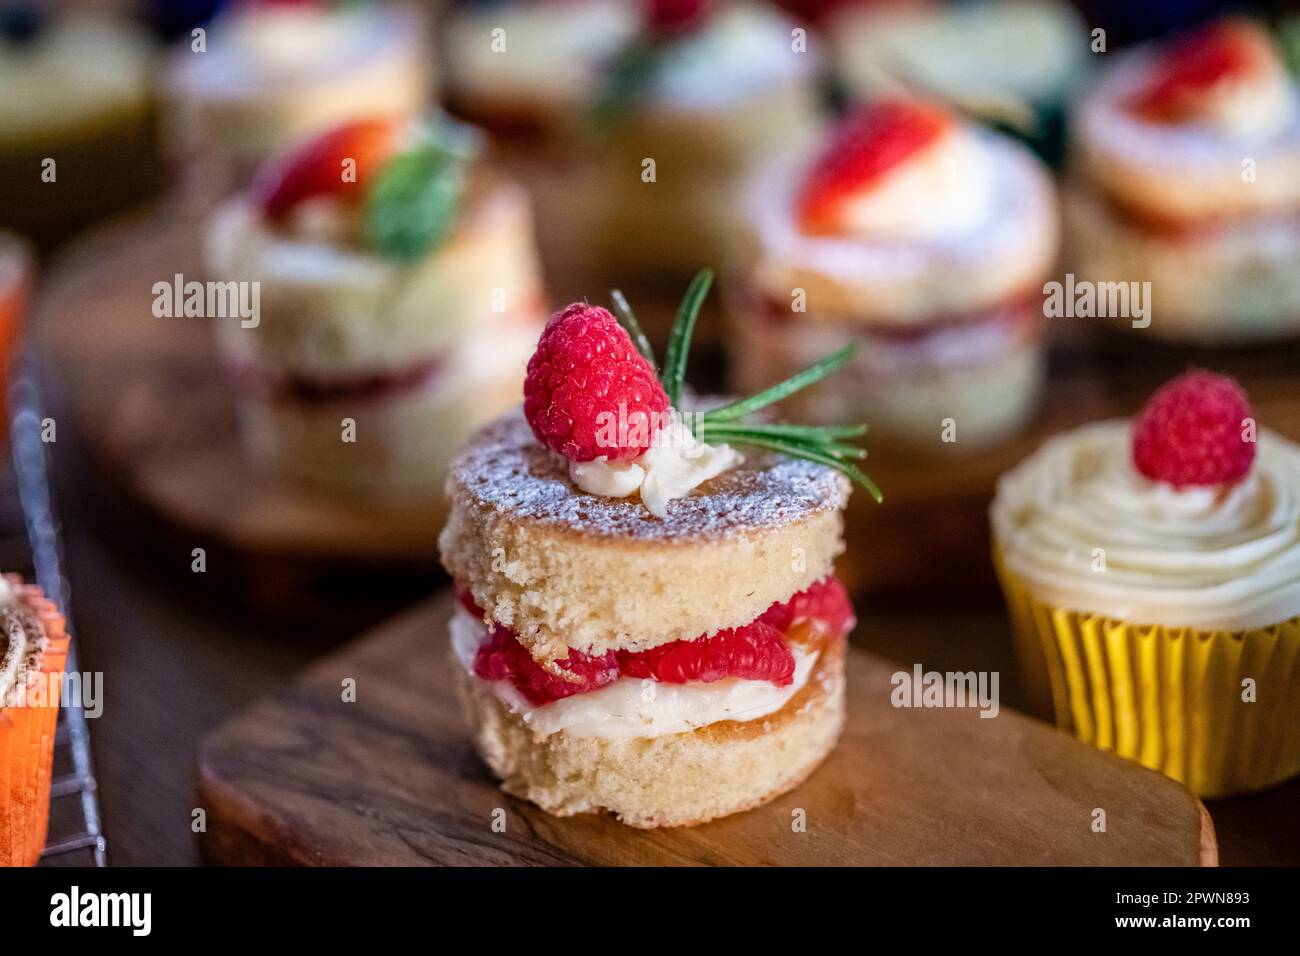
[74, 805]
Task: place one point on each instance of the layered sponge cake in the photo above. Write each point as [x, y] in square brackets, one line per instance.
[649, 625]
[400, 298]
[711, 674]
[1187, 176]
[925, 240]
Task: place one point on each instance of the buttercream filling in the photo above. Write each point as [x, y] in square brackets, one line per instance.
[631, 707]
[1089, 533]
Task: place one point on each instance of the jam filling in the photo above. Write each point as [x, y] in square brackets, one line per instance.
[759, 650]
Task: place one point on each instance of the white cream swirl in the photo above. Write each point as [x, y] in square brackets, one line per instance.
[1089, 533]
[674, 465]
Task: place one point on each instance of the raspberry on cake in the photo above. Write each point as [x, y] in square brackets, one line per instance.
[1188, 177]
[668, 648]
[921, 238]
[399, 291]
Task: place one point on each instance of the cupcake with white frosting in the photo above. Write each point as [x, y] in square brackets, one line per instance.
[922, 239]
[1187, 176]
[1152, 571]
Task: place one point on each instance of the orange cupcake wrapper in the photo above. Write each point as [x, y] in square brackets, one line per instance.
[1171, 699]
[27, 742]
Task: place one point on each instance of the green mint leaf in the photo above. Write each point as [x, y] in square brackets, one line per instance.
[413, 203]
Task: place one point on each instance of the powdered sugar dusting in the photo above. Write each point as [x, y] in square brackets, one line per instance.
[505, 469]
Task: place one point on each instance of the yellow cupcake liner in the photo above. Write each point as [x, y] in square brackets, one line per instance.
[1171, 699]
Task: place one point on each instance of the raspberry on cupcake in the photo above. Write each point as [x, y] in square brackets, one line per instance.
[1152, 572]
[399, 290]
[922, 239]
[1187, 175]
[272, 73]
[648, 621]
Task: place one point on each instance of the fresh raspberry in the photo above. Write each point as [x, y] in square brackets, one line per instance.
[1196, 64]
[1191, 432]
[671, 18]
[867, 144]
[588, 392]
[756, 651]
[316, 167]
[502, 657]
[825, 602]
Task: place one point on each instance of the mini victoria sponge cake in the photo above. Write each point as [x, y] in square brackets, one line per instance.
[550, 575]
[272, 73]
[922, 239]
[1186, 174]
[415, 347]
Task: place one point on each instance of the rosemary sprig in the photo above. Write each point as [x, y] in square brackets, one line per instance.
[627, 318]
[781, 390]
[731, 423]
[679, 340]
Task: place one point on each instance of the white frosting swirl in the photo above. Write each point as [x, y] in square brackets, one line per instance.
[1205, 558]
[673, 466]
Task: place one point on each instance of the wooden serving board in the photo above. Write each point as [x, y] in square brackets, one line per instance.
[392, 779]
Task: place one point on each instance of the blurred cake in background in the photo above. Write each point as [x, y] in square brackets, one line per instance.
[398, 306]
[1012, 64]
[706, 90]
[1187, 175]
[269, 73]
[75, 89]
[526, 73]
[639, 117]
[923, 239]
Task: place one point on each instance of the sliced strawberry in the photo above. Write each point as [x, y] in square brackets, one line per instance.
[1193, 66]
[757, 651]
[320, 167]
[864, 147]
[824, 602]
